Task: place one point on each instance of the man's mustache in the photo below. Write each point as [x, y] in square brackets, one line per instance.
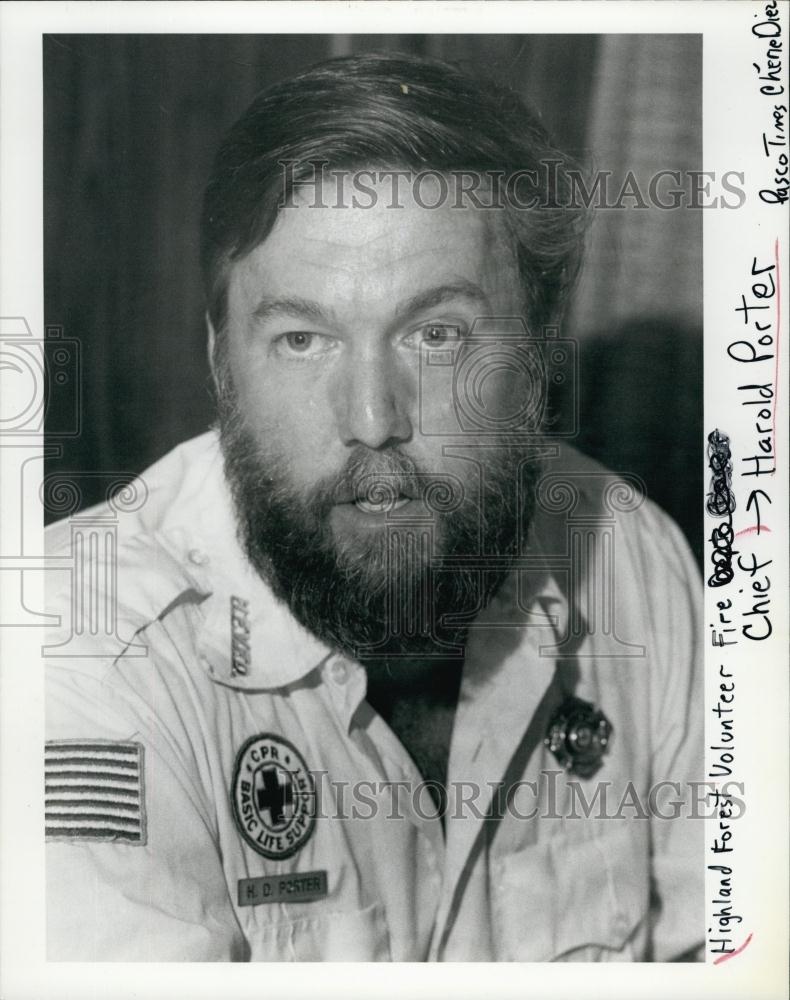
[374, 476]
[383, 477]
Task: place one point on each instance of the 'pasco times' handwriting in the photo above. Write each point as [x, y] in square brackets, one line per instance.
[769, 75]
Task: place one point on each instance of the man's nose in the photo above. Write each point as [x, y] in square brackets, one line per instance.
[374, 401]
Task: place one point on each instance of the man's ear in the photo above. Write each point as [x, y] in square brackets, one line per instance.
[210, 345]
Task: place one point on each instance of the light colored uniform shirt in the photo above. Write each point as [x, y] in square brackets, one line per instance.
[154, 728]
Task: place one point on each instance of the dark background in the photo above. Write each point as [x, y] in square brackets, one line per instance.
[131, 123]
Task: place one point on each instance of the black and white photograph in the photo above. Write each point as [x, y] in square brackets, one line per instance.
[403, 514]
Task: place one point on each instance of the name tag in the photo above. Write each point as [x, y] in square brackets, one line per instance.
[296, 888]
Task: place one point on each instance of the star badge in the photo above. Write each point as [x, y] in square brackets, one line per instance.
[578, 736]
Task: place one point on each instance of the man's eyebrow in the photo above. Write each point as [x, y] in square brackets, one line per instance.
[430, 298]
[433, 297]
[269, 308]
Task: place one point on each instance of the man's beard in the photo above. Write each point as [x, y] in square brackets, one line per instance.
[407, 589]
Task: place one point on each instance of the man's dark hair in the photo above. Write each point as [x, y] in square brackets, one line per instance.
[392, 112]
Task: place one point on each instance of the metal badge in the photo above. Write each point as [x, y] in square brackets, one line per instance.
[578, 736]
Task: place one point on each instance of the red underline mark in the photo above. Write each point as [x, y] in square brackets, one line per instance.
[778, 333]
[753, 530]
[732, 954]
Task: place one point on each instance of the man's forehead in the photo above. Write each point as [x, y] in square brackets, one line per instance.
[383, 203]
[379, 236]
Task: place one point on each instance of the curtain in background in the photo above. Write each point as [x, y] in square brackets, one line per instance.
[637, 312]
[130, 127]
[645, 115]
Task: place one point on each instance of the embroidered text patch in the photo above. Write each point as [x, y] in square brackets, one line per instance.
[294, 888]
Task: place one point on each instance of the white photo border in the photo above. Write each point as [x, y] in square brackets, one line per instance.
[737, 243]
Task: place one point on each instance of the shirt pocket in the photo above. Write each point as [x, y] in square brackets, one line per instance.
[584, 900]
[334, 936]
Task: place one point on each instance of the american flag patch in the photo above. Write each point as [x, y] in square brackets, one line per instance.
[94, 791]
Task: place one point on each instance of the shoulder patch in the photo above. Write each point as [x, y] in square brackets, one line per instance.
[94, 790]
[273, 796]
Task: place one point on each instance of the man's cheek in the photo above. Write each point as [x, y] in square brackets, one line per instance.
[487, 390]
[437, 399]
[289, 426]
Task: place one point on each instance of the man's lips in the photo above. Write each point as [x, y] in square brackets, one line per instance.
[375, 509]
[378, 497]
[384, 506]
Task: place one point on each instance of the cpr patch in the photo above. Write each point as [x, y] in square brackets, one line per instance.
[273, 796]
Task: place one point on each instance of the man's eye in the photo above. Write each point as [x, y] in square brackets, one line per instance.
[299, 342]
[437, 334]
[302, 343]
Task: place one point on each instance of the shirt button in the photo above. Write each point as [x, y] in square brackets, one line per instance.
[197, 557]
[621, 923]
[339, 672]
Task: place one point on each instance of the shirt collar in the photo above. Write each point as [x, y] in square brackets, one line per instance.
[196, 520]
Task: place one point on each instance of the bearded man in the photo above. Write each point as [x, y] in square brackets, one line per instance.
[399, 677]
